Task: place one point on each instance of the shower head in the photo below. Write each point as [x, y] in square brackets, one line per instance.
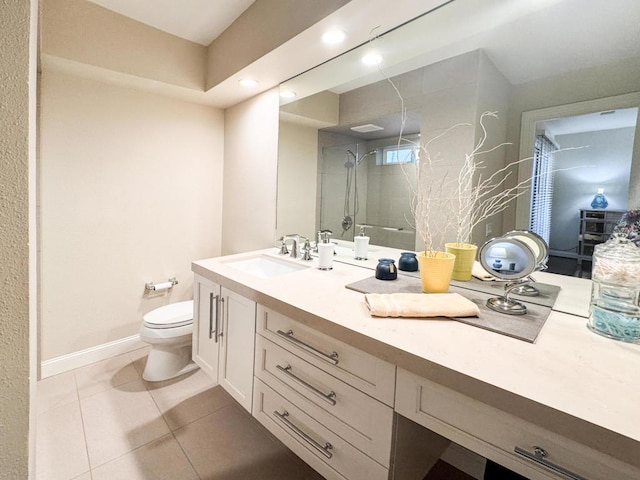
[366, 155]
[349, 164]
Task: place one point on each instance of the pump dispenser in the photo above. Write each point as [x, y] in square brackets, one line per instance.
[325, 250]
[361, 245]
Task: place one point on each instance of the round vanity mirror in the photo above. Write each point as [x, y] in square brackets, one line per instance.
[508, 259]
[535, 242]
[540, 249]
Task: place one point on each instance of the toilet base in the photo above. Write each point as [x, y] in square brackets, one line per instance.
[164, 363]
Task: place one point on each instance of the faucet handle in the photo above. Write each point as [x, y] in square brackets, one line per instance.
[307, 250]
[283, 247]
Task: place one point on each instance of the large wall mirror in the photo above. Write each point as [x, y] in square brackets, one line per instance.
[570, 68]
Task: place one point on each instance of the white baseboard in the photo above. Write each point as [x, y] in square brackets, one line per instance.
[81, 358]
[470, 463]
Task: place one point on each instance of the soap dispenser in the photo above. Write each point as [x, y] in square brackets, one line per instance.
[325, 251]
[361, 245]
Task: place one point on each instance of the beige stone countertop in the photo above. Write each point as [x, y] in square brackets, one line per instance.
[571, 381]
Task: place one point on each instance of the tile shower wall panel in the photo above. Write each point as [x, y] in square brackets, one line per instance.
[334, 190]
[389, 205]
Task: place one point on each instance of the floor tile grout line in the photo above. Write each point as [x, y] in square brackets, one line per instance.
[229, 405]
[186, 455]
[171, 431]
[113, 387]
[146, 444]
[84, 430]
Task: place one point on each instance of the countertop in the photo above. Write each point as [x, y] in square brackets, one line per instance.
[571, 381]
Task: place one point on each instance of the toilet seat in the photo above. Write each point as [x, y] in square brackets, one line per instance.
[170, 316]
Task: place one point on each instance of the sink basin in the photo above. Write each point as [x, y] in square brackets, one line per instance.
[264, 266]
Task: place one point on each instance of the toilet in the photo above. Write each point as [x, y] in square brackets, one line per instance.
[168, 329]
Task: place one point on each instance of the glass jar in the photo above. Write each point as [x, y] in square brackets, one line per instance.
[615, 294]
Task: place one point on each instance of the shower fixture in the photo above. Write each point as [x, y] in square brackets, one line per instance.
[366, 155]
[351, 188]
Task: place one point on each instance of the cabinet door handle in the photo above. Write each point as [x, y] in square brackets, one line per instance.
[327, 397]
[219, 326]
[329, 357]
[323, 449]
[539, 456]
[212, 297]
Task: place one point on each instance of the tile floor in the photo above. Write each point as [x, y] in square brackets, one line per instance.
[103, 422]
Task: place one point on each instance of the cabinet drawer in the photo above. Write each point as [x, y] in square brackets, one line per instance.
[367, 373]
[308, 437]
[363, 421]
[496, 434]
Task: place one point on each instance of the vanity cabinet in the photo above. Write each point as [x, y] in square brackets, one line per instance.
[223, 338]
[522, 446]
[327, 401]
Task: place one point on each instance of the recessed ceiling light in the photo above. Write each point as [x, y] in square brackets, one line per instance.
[332, 37]
[287, 94]
[372, 59]
[248, 82]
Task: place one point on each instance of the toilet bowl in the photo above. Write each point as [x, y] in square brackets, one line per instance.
[168, 330]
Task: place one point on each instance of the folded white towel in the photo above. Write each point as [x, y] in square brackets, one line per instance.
[479, 272]
[420, 305]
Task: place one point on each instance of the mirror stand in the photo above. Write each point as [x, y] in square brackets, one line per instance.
[505, 304]
[526, 290]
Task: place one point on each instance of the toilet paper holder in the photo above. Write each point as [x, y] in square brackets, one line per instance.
[161, 286]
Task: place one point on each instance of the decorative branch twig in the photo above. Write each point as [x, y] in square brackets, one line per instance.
[441, 203]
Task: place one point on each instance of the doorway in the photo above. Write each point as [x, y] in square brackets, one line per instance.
[586, 156]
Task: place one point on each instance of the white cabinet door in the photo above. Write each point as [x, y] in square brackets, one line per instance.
[237, 341]
[207, 319]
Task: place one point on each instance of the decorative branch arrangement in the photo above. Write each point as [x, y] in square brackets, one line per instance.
[481, 198]
[446, 205]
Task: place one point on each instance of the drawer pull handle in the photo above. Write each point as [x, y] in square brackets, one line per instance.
[323, 449]
[329, 357]
[327, 397]
[540, 455]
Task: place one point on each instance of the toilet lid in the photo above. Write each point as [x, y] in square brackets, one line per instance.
[169, 316]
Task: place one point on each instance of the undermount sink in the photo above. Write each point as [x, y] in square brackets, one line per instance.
[264, 266]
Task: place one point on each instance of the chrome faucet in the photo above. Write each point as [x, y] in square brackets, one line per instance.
[293, 253]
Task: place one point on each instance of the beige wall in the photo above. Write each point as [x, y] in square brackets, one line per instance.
[131, 188]
[15, 151]
[250, 174]
[84, 32]
[297, 179]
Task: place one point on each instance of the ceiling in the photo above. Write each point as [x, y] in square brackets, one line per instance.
[199, 21]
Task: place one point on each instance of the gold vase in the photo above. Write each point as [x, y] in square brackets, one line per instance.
[435, 271]
[465, 256]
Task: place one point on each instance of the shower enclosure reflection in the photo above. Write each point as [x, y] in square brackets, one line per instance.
[366, 191]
